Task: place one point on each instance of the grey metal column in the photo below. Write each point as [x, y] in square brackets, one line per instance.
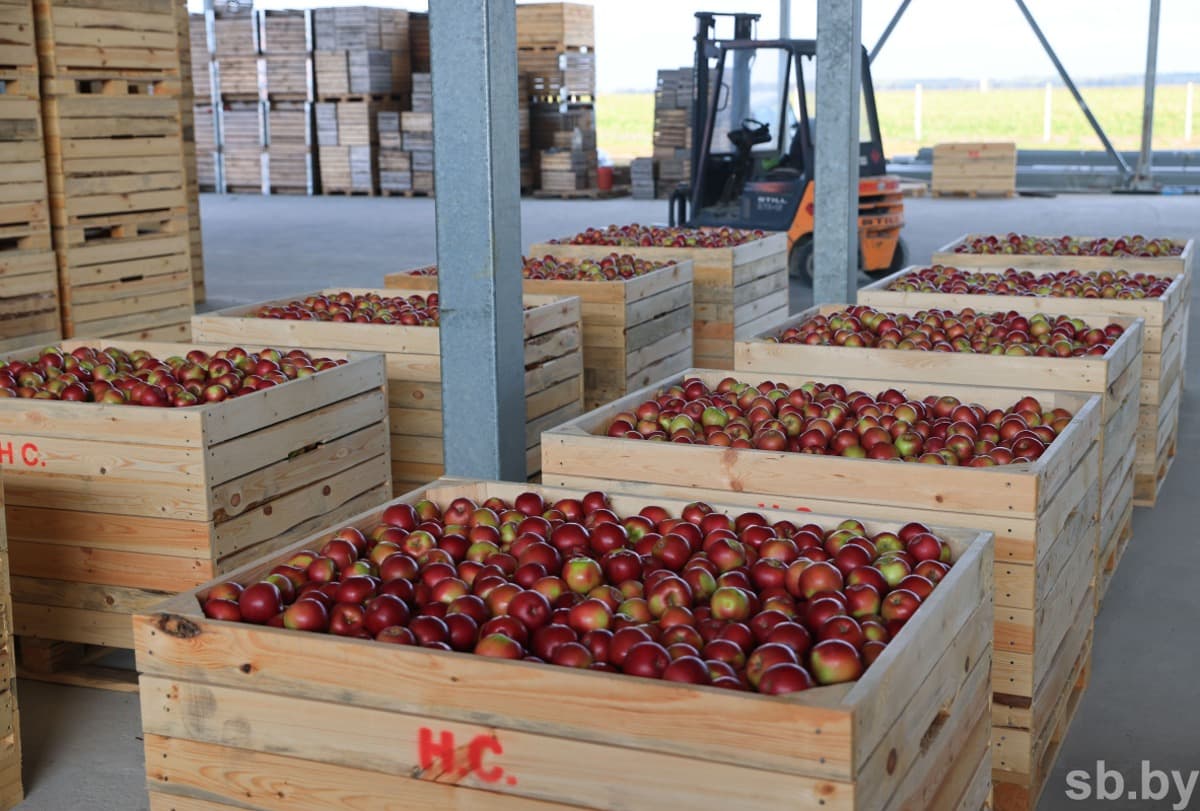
[476, 172]
[1116, 156]
[1143, 176]
[887, 32]
[839, 86]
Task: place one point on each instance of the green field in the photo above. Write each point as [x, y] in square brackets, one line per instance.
[625, 121]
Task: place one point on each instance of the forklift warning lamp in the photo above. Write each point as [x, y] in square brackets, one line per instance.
[809, 208]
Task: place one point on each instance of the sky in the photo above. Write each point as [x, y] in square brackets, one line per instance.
[936, 39]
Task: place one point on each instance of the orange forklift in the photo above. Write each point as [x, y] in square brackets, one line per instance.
[752, 148]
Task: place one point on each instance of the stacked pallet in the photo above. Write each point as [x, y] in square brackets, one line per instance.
[672, 128]
[643, 174]
[28, 276]
[395, 165]
[555, 48]
[188, 119]
[555, 128]
[363, 65]
[285, 38]
[242, 146]
[115, 166]
[204, 124]
[235, 48]
[416, 138]
[975, 169]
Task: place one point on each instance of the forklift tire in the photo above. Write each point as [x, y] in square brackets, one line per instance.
[800, 260]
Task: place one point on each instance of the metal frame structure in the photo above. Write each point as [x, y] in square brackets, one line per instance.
[477, 175]
[1129, 178]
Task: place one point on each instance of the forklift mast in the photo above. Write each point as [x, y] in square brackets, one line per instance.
[706, 37]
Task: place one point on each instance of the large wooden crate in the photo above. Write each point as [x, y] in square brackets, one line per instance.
[11, 789]
[569, 25]
[29, 310]
[975, 169]
[553, 370]
[1169, 265]
[912, 733]
[737, 291]
[1043, 514]
[112, 507]
[187, 114]
[110, 73]
[1115, 377]
[1164, 351]
[635, 331]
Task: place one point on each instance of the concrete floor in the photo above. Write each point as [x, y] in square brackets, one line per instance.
[83, 748]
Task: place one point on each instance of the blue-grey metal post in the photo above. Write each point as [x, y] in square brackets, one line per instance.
[1143, 177]
[839, 86]
[476, 172]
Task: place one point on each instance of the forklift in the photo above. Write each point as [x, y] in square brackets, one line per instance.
[752, 148]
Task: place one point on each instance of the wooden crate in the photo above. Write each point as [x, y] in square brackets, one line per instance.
[284, 32]
[553, 370]
[737, 291]
[348, 169]
[29, 309]
[361, 73]
[1115, 377]
[109, 508]
[910, 734]
[11, 789]
[1165, 346]
[238, 77]
[188, 122]
[635, 331]
[110, 79]
[975, 169]
[562, 24]
[1043, 514]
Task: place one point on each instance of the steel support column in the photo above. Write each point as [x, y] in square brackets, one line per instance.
[1143, 176]
[1066, 77]
[887, 32]
[476, 172]
[839, 87]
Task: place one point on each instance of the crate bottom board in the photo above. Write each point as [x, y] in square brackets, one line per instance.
[1146, 487]
[1020, 792]
[74, 665]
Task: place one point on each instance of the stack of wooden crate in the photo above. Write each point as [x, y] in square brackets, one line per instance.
[115, 166]
[556, 49]
[975, 169]
[395, 165]
[188, 119]
[285, 39]
[643, 174]
[235, 34]
[416, 137]
[28, 277]
[673, 128]
[203, 117]
[363, 64]
[569, 128]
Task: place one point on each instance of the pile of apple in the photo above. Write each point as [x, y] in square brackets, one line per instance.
[370, 308]
[1136, 245]
[1105, 284]
[116, 377]
[826, 419]
[650, 236]
[705, 598]
[935, 330]
[613, 267]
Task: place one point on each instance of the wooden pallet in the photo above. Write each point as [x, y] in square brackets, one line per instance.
[1165, 337]
[1115, 377]
[635, 331]
[74, 665]
[553, 369]
[1044, 514]
[975, 194]
[582, 194]
[111, 508]
[738, 291]
[405, 193]
[886, 742]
